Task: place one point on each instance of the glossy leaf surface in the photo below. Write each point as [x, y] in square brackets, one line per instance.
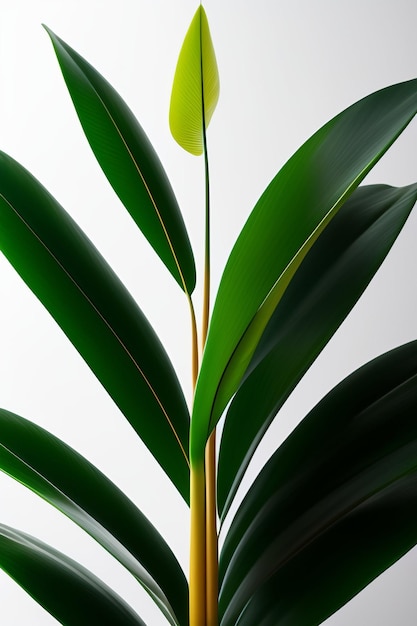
[196, 87]
[329, 282]
[72, 594]
[72, 280]
[296, 207]
[129, 162]
[334, 507]
[74, 486]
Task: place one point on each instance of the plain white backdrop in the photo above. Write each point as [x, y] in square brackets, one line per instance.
[285, 69]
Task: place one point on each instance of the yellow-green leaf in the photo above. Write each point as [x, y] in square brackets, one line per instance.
[196, 87]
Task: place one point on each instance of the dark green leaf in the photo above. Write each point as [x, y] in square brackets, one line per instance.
[334, 507]
[68, 591]
[69, 482]
[129, 161]
[85, 297]
[335, 272]
[290, 215]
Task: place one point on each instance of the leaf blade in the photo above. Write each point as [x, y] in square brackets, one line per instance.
[285, 223]
[402, 498]
[129, 162]
[196, 86]
[96, 312]
[54, 580]
[324, 290]
[353, 454]
[65, 479]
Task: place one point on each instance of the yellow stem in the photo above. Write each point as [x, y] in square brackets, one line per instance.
[197, 546]
[211, 535]
[197, 586]
[211, 509]
[210, 474]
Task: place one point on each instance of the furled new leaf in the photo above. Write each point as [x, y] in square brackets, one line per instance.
[69, 482]
[334, 507]
[329, 282]
[72, 594]
[96, 312]
[195, 91]
[129, 161]
[285, 223]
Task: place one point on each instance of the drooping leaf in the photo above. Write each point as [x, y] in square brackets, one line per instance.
[129, 162]
[196, 87]
[287, 220]
[74, 486]
[68, 591]
[72, 280]
[323, 291]
[334, 507]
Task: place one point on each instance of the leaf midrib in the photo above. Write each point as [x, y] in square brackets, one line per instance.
[105, 321]
[136, 165]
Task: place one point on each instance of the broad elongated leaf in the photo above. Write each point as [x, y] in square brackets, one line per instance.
[64, 588]
[335, 505]
[69, 482]
[335, 272]
[196, 87]
[129, 162]
[287, 220]
[79, 289]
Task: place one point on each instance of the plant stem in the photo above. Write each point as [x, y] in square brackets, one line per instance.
[197, 584]
[198, 546]
[211, 534]
[210, 455]
[206, 295]
[203, 548]
[194, 343]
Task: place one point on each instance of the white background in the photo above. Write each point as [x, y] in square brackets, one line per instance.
[285, 69]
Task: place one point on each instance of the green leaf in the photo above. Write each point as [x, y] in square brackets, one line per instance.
[74, 486]
[129, 162]
[334, 507]
[323, 291]
[75, 284]
[69, 592]
[196, 87]
[296, 207]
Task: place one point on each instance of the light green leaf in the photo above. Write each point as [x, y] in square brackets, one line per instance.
[329, 282]
[96, 312]
[195, 91]
[285, 223]
[129, 161]
[68, 591]
[74, 486]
